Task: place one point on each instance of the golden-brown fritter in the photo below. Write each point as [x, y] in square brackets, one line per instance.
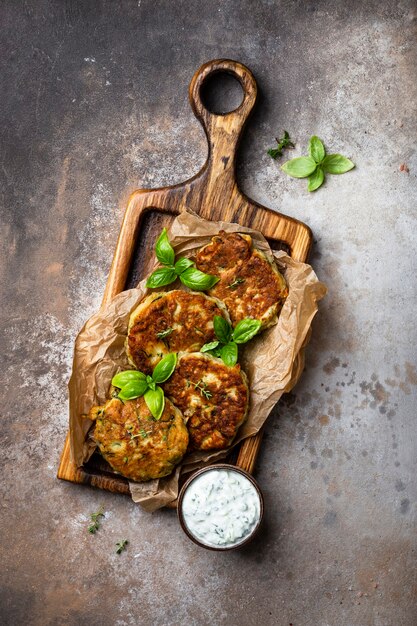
[172, 321]
[134, 443]
[250, 285]
[213, 398]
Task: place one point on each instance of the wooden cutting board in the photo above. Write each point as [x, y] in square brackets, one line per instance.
[213, 194]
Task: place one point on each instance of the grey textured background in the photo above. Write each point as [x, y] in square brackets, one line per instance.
[94, 104]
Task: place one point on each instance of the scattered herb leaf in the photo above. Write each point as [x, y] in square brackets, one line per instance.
[222, 329]
[210, 346]
[122, 378]
[133, 389]
[300, 167]
[201, 386]
[284, 142]
[165, 368]
[163, 249]
[121, 545]
[95, 518]
[245, 330]
[229, 353]
[155, 401]
[315, 180]
[164, 333]
[161, 277]
[197, 280]
[236, 282]
[316, 149]
[183, 264]
[337, 164]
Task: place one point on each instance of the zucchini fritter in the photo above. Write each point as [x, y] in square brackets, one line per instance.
[134, 443]
[172, 321]
[212, 397]
[250, 285]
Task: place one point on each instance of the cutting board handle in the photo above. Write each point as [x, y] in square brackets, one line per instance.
[223, 130]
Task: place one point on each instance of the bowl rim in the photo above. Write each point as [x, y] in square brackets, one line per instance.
[229, 467]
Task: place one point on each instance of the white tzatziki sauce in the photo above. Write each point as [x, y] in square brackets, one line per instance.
[221, 507]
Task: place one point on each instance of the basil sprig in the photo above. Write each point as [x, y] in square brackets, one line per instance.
[133, 384]
[317, 164]
[184, 268]
[226, 346]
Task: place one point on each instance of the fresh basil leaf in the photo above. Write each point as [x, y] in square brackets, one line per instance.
[222, 329]
[122, 378]
[229, 353]
[215, 352]
[160, 277]
[155, 401]
[165, 368]
[316, 179]
[194, 279]
[300, 167]
[337, 164]
[245, 330]
[163, 249]
[133, 389]
[209, 346]
[183, 264]
[316, 149]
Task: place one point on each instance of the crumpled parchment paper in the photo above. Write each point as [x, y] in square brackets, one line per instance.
[273, 360]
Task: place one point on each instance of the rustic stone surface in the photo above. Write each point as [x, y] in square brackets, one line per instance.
[94, 104]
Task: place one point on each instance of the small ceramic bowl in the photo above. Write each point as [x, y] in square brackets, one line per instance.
[210, 468]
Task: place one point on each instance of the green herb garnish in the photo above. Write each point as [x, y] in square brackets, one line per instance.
[285, 142]
[201, 386]
[95, 518]
[235, 283]
[184, 268]
[133, 384]
[317, 164]
[226, 346]
[121, 545]
[164, 333]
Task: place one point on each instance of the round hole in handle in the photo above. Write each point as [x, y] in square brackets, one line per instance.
[221, 92]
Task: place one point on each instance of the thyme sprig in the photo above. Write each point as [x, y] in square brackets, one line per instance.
[235, 283]
[95, 518]
[121, 545]
[201, 386]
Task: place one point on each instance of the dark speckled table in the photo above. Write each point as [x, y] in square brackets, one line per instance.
[94, 104]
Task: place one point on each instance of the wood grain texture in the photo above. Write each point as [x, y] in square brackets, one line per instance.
[212, 193]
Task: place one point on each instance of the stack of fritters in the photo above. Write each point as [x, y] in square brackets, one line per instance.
[206, 401]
